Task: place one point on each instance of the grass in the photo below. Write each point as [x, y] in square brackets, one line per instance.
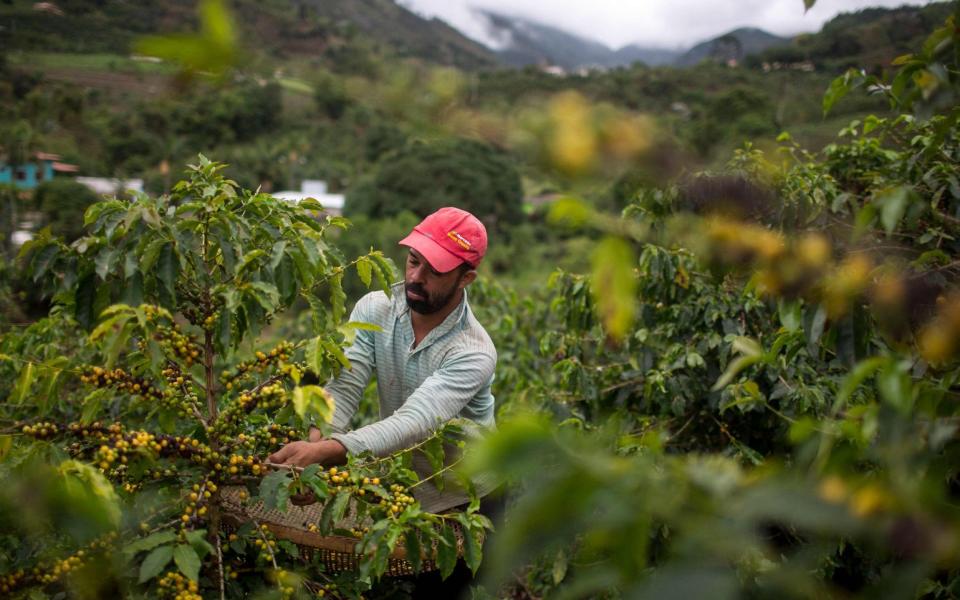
[295, 85]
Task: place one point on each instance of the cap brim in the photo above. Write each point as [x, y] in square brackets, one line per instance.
[441, 259]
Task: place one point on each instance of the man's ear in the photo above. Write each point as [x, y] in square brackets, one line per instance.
[467, 278]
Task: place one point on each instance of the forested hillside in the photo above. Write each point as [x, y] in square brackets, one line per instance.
[725, 302]
[870, 38]
[344, 34]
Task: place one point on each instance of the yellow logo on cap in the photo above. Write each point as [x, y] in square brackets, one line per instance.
[460, 240]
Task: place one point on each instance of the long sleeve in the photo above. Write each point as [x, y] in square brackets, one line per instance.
[438, 399]
[347, 387]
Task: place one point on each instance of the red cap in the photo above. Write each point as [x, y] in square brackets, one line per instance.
[447, 238]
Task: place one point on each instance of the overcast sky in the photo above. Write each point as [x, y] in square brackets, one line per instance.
[661, 23]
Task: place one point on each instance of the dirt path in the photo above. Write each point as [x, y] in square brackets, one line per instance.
[140, 84]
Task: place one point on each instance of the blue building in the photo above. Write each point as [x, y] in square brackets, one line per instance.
[27, 176]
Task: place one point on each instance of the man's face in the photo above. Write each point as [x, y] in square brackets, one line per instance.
[428, 291]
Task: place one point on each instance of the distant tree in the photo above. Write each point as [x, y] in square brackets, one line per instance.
[381, 139]
[63, 202]
[423, 177]
[19, 140]
[229, 115]
[331, 96]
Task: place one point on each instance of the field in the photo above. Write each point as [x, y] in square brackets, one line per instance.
[723, 303]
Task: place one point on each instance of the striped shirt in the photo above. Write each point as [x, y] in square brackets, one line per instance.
[447, 375]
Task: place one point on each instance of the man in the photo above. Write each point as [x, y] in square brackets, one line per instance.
[433, 360]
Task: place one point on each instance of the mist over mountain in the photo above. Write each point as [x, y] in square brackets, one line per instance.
[526, 42]
[871, 36]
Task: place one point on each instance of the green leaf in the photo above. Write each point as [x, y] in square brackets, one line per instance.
[272, 489]
[54, 376]
[365, 270]
[614, 285]
[104, 262]
[791, 314]
[734, 368]
[250, 260]
[363, 326]
[334, 511]
[313, 403]
[224, 331]
[334, 349]
[167, 267]
[433, 450]
[85, 298]
[840, 87]
[286, 281]
[313, 354]
[447, 552]
[895, 386]
[86, 485]
[569, 212]
[155, 562]
[411, 542]
[151, 541]
[851, 382]
[150, 254]
[92, 405]
[117, 320]
[266, 295]
[808, 4]
[747, 346]
[893, 205]
[559, 570]
[43, 260]
[472, 547]
[198, 540]
[24, 383]
[814, 322]
[337, 298]
[276, 254]
[187, 561]
[384, 271]
[310, 204]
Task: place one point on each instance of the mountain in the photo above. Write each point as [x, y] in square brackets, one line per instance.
[527, 42]
[402, 31]
[732, 46]
[347, 33]
[870, 38]
[650, 56]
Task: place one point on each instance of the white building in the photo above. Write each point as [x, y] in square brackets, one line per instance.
[316, 189]
[111, 187]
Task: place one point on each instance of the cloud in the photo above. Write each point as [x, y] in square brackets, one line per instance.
[664, 23]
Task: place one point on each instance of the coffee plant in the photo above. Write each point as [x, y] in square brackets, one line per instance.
[145, 395]
[753, 393]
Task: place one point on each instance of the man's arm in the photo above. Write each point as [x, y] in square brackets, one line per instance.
[346, 389]
[439, 398]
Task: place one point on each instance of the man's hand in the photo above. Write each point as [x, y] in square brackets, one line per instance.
[301, 454]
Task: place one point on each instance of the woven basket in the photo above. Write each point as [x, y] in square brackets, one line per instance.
[338, 553]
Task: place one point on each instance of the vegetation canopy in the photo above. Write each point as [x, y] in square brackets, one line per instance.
[740, 384]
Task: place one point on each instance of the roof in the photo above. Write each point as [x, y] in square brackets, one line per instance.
[65, 167]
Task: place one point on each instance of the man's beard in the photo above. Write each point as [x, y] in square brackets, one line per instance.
[429, 305]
